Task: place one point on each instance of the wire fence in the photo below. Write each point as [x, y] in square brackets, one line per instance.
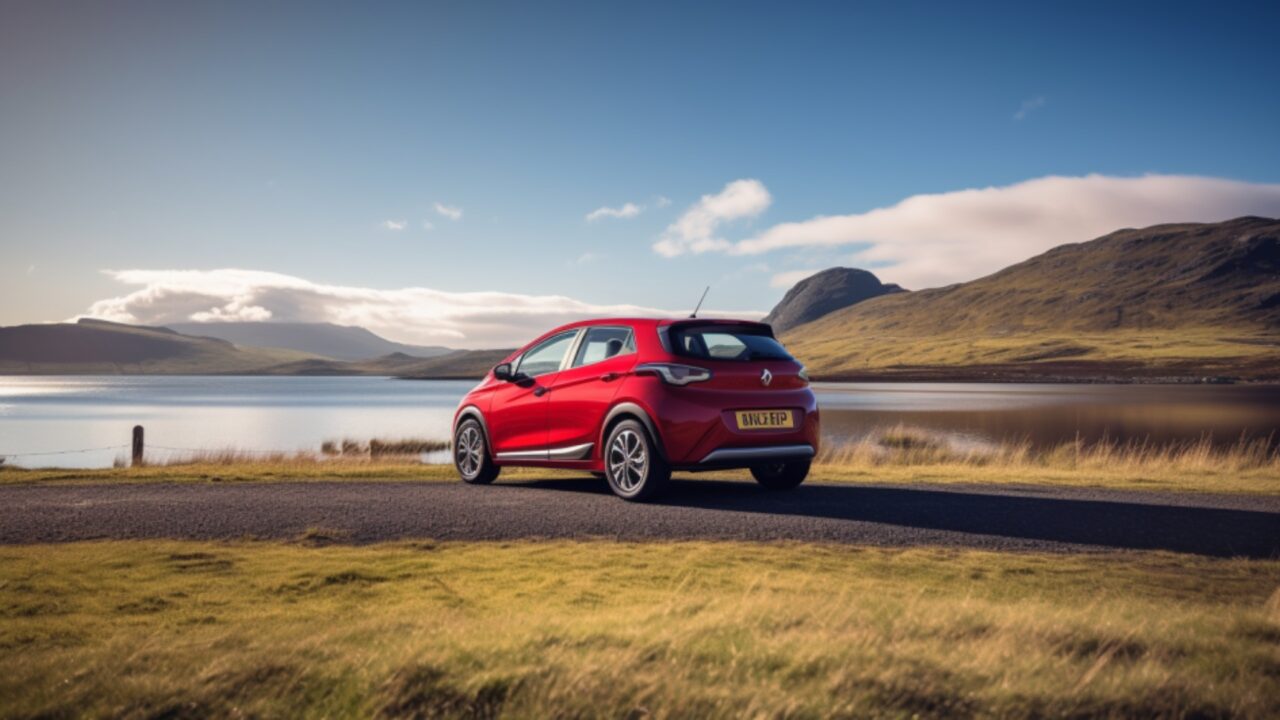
[63, 452]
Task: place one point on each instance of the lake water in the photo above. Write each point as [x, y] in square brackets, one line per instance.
[93, 416]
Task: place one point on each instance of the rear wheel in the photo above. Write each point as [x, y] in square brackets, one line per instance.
[781, 476]
[634, 470]
[471, 454]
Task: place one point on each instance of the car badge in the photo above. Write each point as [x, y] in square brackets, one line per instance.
[766, 377]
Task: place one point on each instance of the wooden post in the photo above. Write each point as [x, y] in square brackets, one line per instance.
[137, 446]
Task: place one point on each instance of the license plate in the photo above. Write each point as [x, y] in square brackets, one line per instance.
[765, 420]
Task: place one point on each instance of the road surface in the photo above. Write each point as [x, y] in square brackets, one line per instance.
[987, 517]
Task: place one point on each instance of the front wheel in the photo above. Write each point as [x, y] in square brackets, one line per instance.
[781, 476]
[634, 469]
[471, 454]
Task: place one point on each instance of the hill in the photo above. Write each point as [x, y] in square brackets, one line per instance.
[338, 342]
[823, 293]
[461, 365]
[97, 347]
[457, 365]
[1169, 302]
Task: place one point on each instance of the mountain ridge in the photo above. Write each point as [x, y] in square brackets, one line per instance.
[1170, 301]
[101, 347]
[328, 340]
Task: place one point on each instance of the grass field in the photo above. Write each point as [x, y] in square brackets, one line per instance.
[576, 629]
[1134, 354]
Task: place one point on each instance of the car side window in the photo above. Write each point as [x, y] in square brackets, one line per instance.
[547, 356]
[602, 343]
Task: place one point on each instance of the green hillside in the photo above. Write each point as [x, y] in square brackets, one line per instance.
[1166, 302]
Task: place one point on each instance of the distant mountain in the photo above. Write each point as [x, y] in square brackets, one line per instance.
[461, 365]
[1169, 302]
[824, 293]
[97, 347]
[338, 342]
[457, 365]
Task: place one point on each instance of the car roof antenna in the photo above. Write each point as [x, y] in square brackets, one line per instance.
[694, 314]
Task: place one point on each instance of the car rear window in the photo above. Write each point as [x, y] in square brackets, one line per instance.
[727, 342]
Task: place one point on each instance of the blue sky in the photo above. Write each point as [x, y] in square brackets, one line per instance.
[288, 140]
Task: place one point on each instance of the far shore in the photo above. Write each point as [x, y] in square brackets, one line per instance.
[921, 375]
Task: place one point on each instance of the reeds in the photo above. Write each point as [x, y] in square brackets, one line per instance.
[903, 445]
[346, 452]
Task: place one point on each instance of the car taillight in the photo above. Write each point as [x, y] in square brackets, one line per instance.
[673, 374]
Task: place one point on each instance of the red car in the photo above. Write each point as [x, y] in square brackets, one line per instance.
[634, 399]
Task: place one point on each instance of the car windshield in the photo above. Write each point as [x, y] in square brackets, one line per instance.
[727, 342]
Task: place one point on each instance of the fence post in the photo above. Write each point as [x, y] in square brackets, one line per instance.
[137, 446]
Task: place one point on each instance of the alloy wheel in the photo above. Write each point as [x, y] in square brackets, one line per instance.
[467, 451]
[628, 460]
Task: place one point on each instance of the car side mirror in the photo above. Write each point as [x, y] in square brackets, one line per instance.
[503, 372]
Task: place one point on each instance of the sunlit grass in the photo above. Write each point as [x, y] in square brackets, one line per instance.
[865, 348]
[903, 454]
[899, 454]
[577, 629]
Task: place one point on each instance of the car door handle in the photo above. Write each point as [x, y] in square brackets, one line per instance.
[609, 377]
[539, 391]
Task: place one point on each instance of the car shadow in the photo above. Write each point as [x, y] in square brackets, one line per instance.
[1214, 532]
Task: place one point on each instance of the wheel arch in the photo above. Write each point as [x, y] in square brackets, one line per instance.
[630, 411]
[473, 412]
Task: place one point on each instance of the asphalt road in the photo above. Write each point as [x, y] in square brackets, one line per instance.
[988, 517]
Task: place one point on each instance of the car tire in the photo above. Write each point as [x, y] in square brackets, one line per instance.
[633, 467]
[471, 454]
[781, 476]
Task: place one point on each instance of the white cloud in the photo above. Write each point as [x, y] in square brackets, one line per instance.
[697, 229]
[930, 240]
[450, 211]
[629, 210]
[1029, 105]
[662, 201]
[415, 314]
[428, 225]
[586, 257]
[395, 225]
[791, 277]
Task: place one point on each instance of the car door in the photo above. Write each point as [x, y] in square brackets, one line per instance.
[518, 414]
[582, 393]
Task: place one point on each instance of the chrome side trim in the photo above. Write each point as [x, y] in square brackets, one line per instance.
[573, 452]
[523, 455]
[776, 452]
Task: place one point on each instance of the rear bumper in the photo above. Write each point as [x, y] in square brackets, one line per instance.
[698, 430]
[745, 456]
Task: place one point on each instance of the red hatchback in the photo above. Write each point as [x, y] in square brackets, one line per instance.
[635, 399]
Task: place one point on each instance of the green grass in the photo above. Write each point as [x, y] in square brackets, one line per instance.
[578, 629]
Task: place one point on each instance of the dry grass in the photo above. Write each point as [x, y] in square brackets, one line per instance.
[906, 454]
[899, 455]
[601, 629]
[856, 351]
[377, 448]
[906, 445]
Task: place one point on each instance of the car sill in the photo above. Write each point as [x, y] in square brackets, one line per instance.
[573, 452]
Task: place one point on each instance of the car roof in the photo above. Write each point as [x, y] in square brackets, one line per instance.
[656, 322]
